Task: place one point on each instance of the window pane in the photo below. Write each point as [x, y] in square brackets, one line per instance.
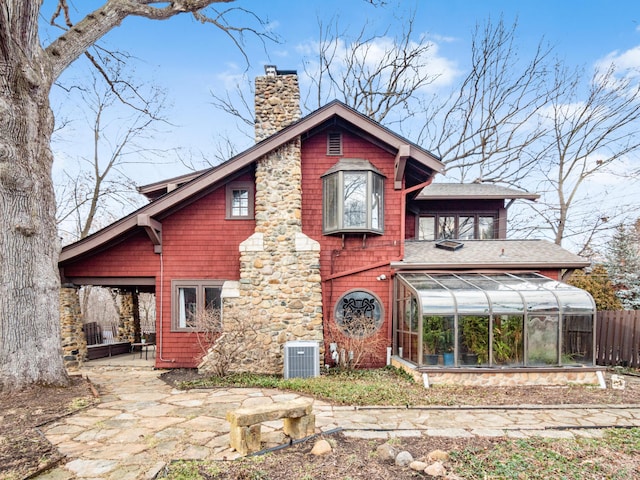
[465, 228]
[508, 340]
[437, 339]
[426, 228]
[240, 203]
[486, 228]
[211, 298]
[355, 200]
[474, 340]
[187, 306]
[212, 312]
[377, 203]
[359, 314]
[542, 340]
[577, 339]
[447, 227]
[330, 211]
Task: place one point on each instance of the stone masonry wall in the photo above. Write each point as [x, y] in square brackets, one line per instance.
[126, 324]
[74, 344]
[280, 293]
[277, 104]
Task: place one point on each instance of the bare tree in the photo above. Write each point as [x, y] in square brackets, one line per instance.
[357, 340]
[99, 185]
[373, 73]
[30, 350]
[380, 76]
[484, 130]
[589, 134]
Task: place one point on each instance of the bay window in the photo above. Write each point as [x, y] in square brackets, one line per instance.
[353, 198]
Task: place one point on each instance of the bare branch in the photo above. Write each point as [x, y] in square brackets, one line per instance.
[81, 35]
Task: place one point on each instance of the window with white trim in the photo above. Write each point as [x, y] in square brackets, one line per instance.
[196, 305]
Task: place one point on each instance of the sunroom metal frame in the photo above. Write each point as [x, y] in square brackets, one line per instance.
[467, 294]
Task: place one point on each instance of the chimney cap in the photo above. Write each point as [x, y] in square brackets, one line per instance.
[272, 71]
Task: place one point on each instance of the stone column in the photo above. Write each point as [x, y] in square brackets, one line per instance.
[126, 326]
[74, 344]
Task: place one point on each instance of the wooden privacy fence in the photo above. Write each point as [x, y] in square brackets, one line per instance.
[618, 338]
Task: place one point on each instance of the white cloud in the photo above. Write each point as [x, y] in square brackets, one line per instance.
[374, 53]
[623, 62]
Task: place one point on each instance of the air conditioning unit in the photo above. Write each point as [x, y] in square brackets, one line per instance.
[301, 359]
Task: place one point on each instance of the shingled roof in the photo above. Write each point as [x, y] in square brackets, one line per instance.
[409, 158]
[489, 254]
[472, 191]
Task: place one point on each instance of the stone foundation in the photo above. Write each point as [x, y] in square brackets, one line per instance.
[503, 378]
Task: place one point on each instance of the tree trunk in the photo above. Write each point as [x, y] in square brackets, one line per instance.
[30, 349]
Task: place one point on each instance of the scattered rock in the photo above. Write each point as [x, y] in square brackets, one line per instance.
[418, 466]
[438, 456]
[436, 470]
[403, 459]
[386, 452]
[618, 382]
[322, 447]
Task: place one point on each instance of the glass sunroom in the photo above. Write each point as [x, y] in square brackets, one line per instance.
[492, 320]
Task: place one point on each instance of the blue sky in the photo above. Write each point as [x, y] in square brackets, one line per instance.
[189, 60]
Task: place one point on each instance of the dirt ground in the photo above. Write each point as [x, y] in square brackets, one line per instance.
[24, 451]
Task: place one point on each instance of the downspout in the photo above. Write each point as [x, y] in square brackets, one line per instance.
[160, 342]
[403, 219]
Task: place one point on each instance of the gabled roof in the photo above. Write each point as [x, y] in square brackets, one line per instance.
[155, 190]
[472, 191]
[488, 254]
[408, 156]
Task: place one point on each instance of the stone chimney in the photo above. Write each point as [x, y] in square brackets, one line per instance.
[279, 293]
[277, 101]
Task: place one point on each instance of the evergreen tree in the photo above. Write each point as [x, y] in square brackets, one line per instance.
[623, 265]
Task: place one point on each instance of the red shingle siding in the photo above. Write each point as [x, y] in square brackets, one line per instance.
[355, 255]
[133, 257]
[197, 243]
[552, 274]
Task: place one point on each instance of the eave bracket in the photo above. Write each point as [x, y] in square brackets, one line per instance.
[153, 228]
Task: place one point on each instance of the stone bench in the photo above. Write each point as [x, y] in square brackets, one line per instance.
[299, 422]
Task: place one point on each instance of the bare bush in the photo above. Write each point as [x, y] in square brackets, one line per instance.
[357, 341]
[227, 345]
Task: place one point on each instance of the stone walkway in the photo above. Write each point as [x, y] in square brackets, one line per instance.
[142, 424]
